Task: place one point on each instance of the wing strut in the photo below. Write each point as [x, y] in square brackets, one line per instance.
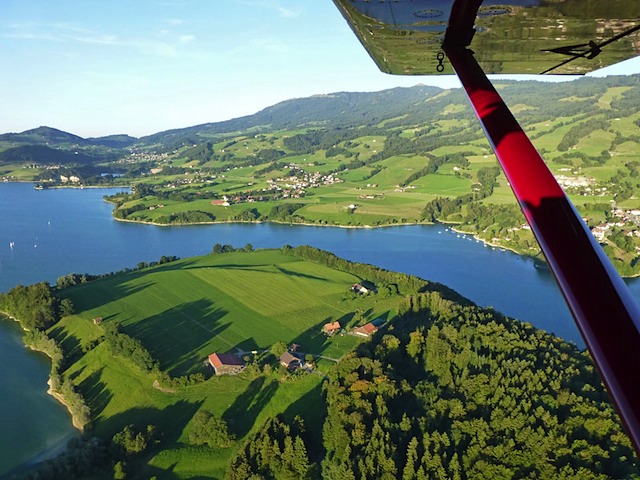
[606, 314]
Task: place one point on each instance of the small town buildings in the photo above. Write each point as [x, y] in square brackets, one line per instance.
[365, 330]
[226, 363]
[289, 361]
[331, 328]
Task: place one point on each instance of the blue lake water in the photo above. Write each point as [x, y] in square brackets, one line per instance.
[55, 232]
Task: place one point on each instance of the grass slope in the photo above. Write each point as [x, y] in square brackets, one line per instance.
[185, 310]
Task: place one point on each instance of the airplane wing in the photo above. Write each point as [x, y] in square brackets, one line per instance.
[472, 38]
[574, 37]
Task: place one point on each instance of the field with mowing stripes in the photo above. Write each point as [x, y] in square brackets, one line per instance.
[184, 310]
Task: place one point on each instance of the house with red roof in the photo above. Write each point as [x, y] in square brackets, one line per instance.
[226, 363]
[331, 328]
[365, 330]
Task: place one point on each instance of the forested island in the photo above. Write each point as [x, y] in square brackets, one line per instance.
[414, 382]
[400, 156]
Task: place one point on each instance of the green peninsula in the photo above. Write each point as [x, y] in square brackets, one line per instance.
[415, 382]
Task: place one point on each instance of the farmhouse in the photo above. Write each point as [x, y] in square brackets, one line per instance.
[365, 330]
[363, 288]
[225, 363]
[331, 328]
[359, 288]
[289, 361]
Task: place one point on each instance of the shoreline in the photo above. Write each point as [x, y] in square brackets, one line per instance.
[537, 262]
[260, 222]
[58, 396]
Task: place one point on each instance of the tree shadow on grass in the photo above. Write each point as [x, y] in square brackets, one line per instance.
[175, 336]
[151, 471]
[69, 343]
[262, 268]
[242, 414]
[103, 291]
[95, 393]
[169, 421]
[312, 407]
[298, 274]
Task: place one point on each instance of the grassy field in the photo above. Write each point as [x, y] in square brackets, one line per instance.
[188, 309]
[185, 310]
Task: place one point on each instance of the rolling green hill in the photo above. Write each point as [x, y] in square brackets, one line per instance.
[54, 137]
[443, 388]
[190, 308]
[41, 154]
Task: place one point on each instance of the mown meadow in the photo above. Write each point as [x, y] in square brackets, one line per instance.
[241, 301]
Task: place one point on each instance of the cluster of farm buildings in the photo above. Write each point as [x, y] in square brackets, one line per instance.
[292, 359]
[231, 364]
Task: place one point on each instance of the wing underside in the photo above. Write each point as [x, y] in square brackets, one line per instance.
[573, 37]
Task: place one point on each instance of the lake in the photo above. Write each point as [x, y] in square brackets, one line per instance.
[60, 231]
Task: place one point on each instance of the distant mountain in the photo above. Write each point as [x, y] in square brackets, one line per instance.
[44, 155]
[341, 109]
[43, 135]
[54, 137]
[113, 141]
[413, 107]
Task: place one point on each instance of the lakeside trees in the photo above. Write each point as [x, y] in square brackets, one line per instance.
[35, 306]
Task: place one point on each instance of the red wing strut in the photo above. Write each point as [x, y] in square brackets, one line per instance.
[595, 35]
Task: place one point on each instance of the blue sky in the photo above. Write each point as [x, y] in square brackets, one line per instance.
[142, 66]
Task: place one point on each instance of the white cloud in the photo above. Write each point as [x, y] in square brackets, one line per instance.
[270, 44]
[168, 47]
[186, 38]
[270, 4]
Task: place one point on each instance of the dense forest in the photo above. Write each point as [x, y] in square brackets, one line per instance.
[461, 392]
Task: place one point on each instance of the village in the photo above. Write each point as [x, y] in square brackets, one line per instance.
[628, 221]
[294, 185]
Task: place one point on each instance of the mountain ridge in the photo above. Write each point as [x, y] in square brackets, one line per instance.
[416, 105]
